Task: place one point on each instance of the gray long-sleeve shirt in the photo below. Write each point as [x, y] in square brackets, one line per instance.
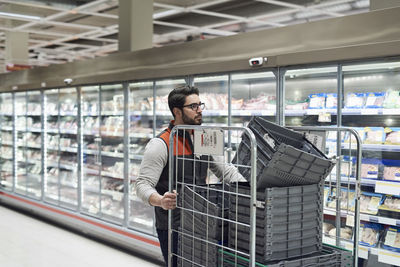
[155, 159]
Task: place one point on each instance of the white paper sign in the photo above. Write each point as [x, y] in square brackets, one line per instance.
[209, 142]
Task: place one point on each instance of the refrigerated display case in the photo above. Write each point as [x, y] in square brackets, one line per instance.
[141, 130]
[61, 175]
[296, 85]
[7, 141]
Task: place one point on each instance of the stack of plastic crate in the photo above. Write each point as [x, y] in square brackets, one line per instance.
[284, 157]
[329, 256]
[202, 225]
[288, 221]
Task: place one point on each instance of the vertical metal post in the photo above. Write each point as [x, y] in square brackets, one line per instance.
[338, 152]
[280, 95]
[357, 200]
[126, 155]
[154, 108]
[80, 148]
[229, 116]
[59, 147]
[25, 132]
[99, 141]
[15, 144]
[43, 139]
[171, 174]
[253, 198]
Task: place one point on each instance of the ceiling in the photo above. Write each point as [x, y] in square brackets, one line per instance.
[66, 30]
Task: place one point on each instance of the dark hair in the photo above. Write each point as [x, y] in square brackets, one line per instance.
[177, 97]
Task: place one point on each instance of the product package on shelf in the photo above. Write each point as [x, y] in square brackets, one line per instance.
[326, 194]
[261, 102]
[346, 167]
[349, 138]
[370, 234]
[345, 232]
[391, 170]
[375, 100]
[392, 239]
[392, 136]
[374, 135]
[392, 99]
[390, 207]
[370, 168]
[355, 100]
[370, 202]
[347, 199]
[331, 101]
[317, 101]
[297, 104]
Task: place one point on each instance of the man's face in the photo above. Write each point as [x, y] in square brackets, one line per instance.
[190, 116]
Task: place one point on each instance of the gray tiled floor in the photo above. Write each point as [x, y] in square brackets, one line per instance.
[28, 242]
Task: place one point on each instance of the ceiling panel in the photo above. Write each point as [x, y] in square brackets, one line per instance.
[67, 30]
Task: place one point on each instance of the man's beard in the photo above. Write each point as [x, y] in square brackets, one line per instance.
[189, 121]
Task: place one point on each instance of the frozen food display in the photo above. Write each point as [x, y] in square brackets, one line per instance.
[370, 168]
[392, 239]
[370, 234]
[355, 100]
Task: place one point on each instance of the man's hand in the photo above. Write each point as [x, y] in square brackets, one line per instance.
[168, 200]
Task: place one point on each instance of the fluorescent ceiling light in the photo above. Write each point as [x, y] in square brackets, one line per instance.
[248, 76]
[384, 65]
[15, 15]
[311, 71]
[223, 78]
[171, 82]
[141, 84]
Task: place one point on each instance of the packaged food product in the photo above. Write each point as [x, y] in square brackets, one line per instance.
[326, 194]
[374, 135]
[369, 234]
[300, 104]
[347, 199]
[370, 202]
[345, 232]
[349, 138]
[390, 207]
[370, 168]
[392, 239]
[327, 227]
[392, 99]
[375, 100]
[392, 136]
[317, 101]
[331, 100]
[355, 100]
[391, 171]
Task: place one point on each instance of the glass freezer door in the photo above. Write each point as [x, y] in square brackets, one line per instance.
[61, 178]
[141, 122]
[112, 152]
[21, 181]
[91, 143]
[6, 141]
[311, 96]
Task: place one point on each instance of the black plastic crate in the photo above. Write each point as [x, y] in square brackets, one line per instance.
[327, 257]
[284, 135]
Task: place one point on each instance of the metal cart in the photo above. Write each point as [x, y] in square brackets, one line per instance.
[218, 223]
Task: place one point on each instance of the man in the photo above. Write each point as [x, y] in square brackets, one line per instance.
[153, 180]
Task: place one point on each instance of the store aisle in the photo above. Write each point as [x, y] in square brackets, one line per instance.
[28, 242]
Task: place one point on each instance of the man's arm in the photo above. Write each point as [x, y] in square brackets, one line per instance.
[154, 160]
[225, 171]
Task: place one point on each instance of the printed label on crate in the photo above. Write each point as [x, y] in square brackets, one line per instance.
[318, 139]
[209, 142]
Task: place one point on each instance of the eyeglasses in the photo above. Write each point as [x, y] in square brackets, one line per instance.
[195, 106]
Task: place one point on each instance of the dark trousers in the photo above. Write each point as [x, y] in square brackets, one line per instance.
[163, 238]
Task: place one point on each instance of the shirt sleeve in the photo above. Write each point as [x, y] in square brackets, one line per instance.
[225, 171]
[154, 160]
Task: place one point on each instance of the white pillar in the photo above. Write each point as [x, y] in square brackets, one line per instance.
[17, 50]
[135, 25]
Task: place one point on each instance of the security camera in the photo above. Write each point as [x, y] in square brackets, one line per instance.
[256, 61]
[68, 81]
